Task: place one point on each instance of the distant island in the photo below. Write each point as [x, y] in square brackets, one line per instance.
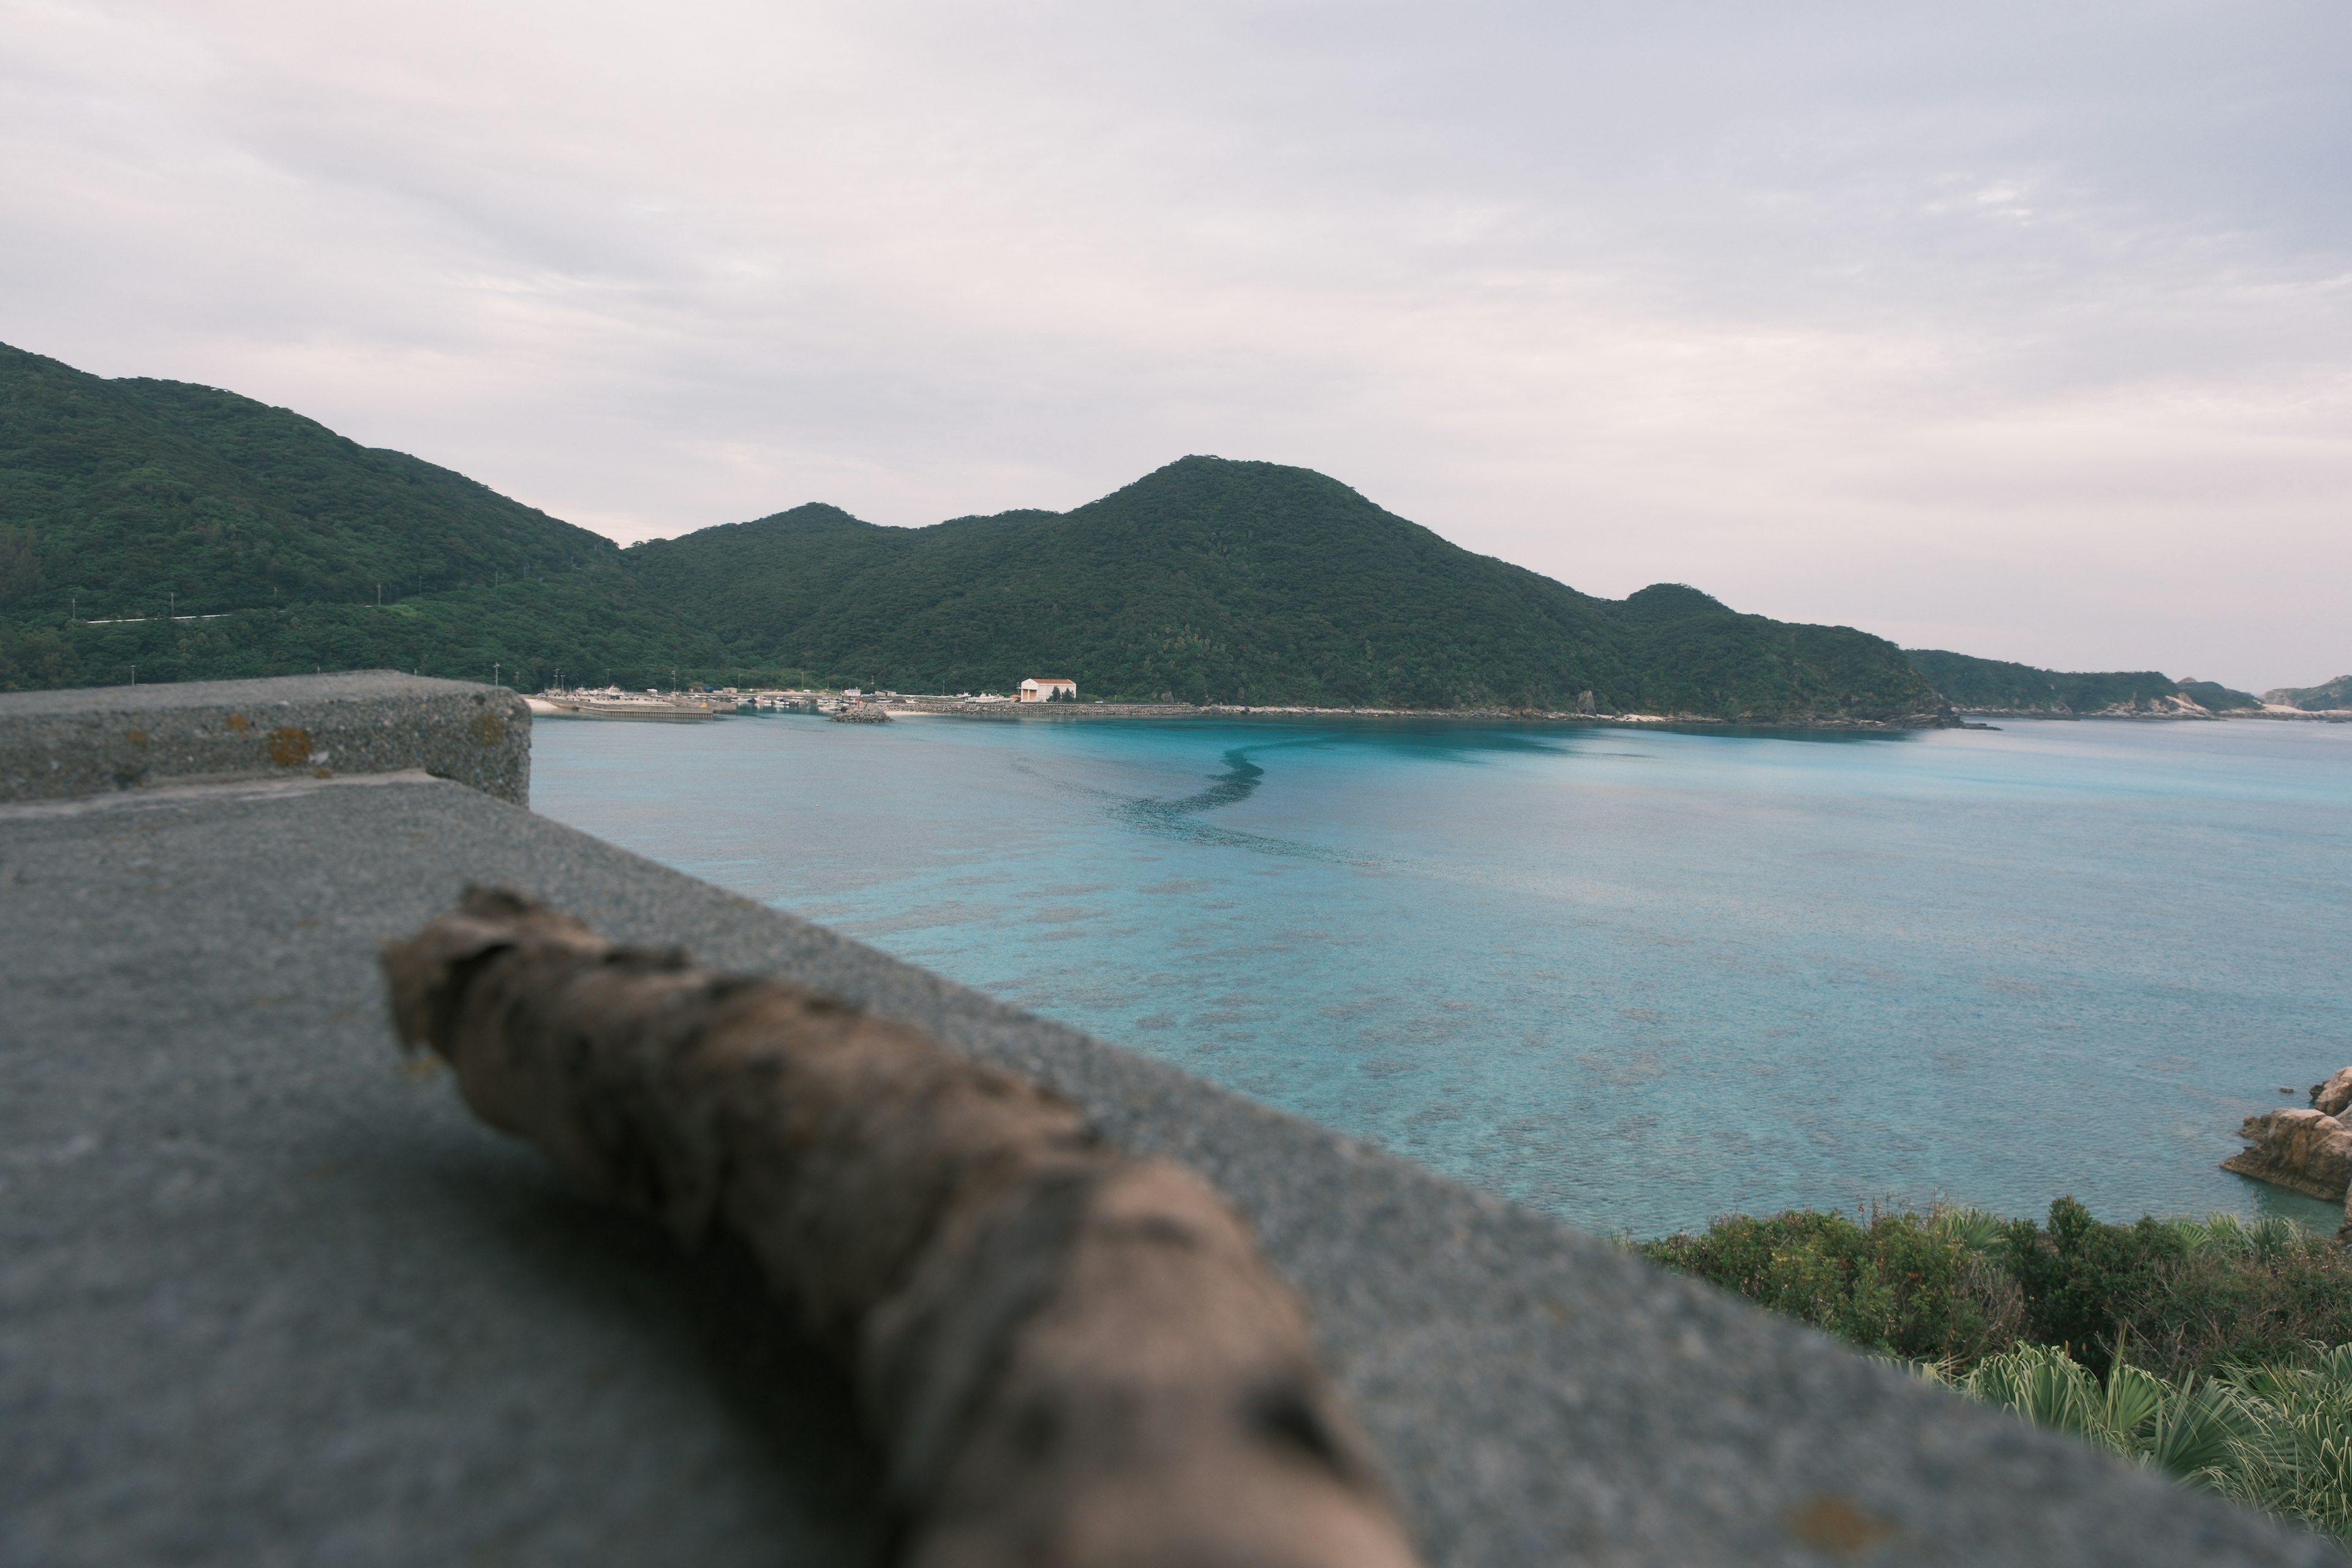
[158, 531]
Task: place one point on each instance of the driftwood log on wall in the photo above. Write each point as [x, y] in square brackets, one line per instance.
[1069, 1356]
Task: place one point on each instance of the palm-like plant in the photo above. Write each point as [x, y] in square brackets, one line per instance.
[2278, 1437]
[2227, 1234]
[2304, 1470]
[1971, 1229]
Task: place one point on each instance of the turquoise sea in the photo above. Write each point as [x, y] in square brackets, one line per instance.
[1638, 978]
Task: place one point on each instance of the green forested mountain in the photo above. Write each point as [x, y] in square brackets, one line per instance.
[145, 496]
[129, 507]
[1232, 582]
[1990, 685]
[125, 504]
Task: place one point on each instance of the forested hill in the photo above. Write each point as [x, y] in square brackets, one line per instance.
[127, 509]
[148, 495]
[180, 532]
[1238, 582]
[1993, 686]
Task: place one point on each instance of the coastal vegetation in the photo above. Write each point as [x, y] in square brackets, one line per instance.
[2275, 1435]
[173, 533]
[2216, 1349]
[1957, 1285]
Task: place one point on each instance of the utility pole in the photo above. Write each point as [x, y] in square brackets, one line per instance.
[494, 673]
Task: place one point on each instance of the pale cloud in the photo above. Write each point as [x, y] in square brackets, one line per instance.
[2025, 333]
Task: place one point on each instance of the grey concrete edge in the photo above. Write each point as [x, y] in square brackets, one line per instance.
[89, 741]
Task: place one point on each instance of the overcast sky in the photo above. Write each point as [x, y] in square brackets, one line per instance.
[2015, 327]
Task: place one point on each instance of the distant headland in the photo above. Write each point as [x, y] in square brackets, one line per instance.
[1992, 687]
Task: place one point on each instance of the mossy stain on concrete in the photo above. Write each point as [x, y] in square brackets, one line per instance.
[289, 747]
[1830, 1523]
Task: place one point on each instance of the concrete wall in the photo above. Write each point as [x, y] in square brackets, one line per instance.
[59, 745]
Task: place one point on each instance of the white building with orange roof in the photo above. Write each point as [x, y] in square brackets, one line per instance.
[1045, 688]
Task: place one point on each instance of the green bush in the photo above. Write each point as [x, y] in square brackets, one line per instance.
[2186, 1295]
[2084, 1281]
[1956, 1285]
[1900, 1283]
[2217, 1351]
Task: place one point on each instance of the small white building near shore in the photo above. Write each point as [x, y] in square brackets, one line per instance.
[1044, 689]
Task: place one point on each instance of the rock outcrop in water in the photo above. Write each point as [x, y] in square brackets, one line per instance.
[2307, 1151]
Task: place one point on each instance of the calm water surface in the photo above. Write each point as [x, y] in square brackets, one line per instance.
[1637, 978]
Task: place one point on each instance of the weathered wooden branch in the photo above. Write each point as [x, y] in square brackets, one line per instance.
[1070, 1357]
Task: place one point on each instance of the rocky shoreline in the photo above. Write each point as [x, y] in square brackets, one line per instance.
[2304, 1150]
